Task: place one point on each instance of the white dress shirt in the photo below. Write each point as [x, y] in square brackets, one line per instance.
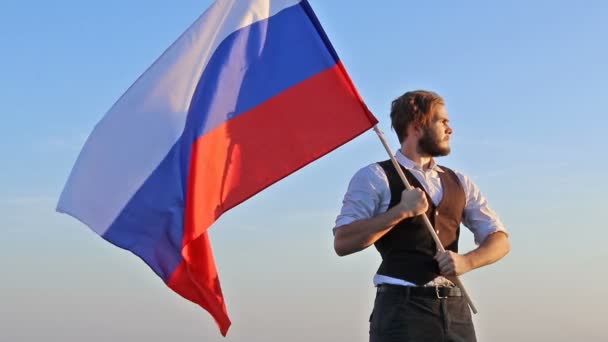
[369, 194]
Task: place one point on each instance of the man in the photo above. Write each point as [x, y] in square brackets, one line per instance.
[415, 299]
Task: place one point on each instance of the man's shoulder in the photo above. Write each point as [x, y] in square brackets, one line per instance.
[450, 169]
[373, 170]
[447, 168]
[370, 175]
[387, 167]
[465, 181]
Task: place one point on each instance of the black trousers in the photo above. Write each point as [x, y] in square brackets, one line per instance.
[399, 317]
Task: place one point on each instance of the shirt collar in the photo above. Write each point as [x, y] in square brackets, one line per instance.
[409, 164]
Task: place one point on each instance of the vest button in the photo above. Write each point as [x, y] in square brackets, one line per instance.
[437, 213]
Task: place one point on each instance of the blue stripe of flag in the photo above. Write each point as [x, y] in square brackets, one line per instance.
[251, 66]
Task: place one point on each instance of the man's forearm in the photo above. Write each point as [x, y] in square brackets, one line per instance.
[361, 234]
[491, 250]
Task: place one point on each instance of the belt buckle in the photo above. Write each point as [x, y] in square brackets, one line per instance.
[437, 293]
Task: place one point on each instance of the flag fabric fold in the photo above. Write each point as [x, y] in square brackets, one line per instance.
[250, 93]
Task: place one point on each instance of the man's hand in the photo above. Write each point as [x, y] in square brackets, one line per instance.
[413, 202]
[451, 263]
[358, 235]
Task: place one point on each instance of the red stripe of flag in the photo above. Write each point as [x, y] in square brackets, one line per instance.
[249, 153]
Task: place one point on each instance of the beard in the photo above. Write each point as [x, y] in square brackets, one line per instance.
[430, 145]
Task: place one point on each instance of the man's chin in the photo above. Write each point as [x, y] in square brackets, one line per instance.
[441, 152]
[434, 148]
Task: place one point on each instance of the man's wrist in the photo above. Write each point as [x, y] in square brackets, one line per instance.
[403, 212]
[469, 261]
[393, 215]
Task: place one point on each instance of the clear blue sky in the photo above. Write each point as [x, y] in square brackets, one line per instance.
[525, 84]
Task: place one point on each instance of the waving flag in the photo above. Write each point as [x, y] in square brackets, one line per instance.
[250, 93]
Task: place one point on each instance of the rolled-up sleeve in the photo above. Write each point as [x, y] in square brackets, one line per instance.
[366, 196]
[478, 217]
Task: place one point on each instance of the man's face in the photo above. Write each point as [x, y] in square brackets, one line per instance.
[435, 140]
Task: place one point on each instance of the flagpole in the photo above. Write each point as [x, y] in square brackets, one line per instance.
[427, 223]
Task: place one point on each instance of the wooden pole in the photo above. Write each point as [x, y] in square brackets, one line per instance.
[427, 223]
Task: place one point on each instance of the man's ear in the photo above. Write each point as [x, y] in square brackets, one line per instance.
[415, 130]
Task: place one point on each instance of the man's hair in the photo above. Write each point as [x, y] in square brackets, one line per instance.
[415, 107]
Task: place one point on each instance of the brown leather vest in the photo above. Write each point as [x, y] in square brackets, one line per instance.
[408, 249]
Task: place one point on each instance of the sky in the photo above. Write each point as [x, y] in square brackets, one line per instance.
[525, 85]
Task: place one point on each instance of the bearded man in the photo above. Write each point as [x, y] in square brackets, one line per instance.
[415, 299]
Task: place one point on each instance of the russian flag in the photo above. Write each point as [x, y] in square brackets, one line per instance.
[250, 93]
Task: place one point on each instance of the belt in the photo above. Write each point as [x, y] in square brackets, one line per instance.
[417, 291]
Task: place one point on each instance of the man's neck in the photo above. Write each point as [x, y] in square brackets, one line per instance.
[411, 152]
